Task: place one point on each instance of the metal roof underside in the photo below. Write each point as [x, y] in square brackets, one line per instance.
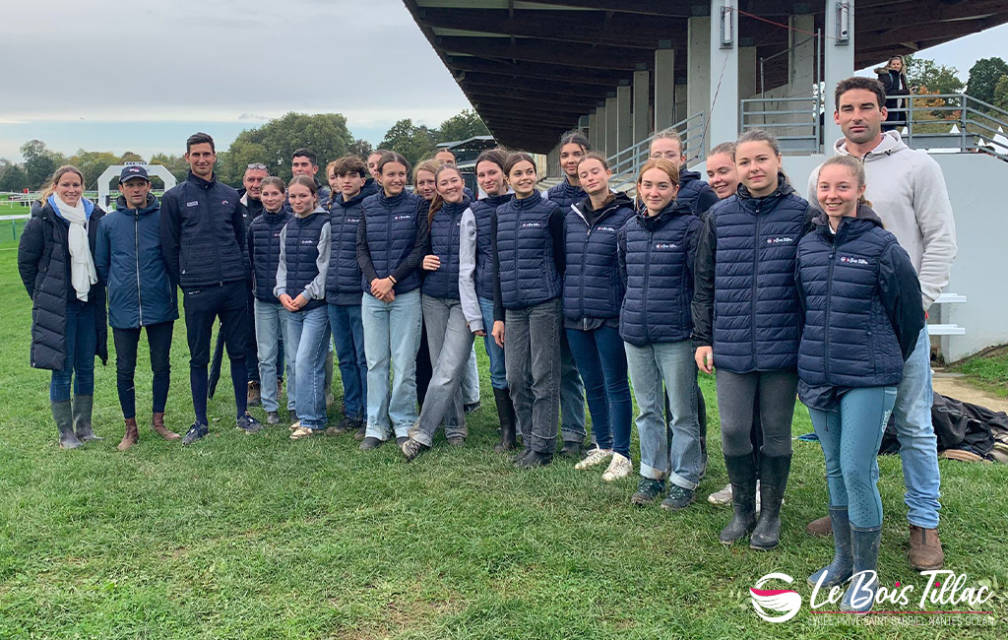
[531, 68]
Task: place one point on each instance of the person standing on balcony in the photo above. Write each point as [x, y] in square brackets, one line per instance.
[908, 192]
[894, 81]
[573, 147]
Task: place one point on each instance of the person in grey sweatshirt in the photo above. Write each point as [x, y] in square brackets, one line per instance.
[907, 190]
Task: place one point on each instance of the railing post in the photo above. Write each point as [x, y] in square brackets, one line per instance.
[962, 123]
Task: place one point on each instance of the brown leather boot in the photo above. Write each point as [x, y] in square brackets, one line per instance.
[131, 436]
[254, 396]
[925, 549]
[158, 423]
[821, 527]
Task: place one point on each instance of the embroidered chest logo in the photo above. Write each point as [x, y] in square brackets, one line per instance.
[531, 225]
[606, 229]
[664, 246]
[853, 260]
[194, 203]
[780, 240]
[402, 217]
[225, 202]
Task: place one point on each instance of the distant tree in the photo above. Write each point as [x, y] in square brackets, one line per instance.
[983, 78]
[1001, 94]
[129, 156]
[39, 162]
[273, 143]
[414, 142]
[461, 126]
[175, 164]
[13, 178]
[361, 148]
[938, 78]
[92, 164]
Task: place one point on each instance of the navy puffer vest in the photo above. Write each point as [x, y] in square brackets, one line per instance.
[848, 339]
[659, 276]
[302, 253]
[528, 273]
[592, 284]
[444, 243]
[756, 310]
[343, 281]
[695, 192]
[565, 194]
[391, 233]
[483, 211]
[265, 232]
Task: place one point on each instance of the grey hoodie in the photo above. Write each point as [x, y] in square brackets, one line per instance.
[907, 189]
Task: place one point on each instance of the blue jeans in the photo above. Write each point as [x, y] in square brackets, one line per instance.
[498, 374]
[673, 363]
[601, 360]
[348, 338]
[572, 395]
[850, 435]
[471, 382]
[918, 443]
[309, 330]
[391, 341]
[270, 319]
[80, 343]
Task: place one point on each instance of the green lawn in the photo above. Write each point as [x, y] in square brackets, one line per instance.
[261, 537]
[989, 371]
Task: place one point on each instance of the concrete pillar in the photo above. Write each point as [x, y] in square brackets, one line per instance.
[724, 65]
[680, 99]
[698, 69]
[592, 129]
[838, 63]
[664, 79]
[801, 56]
[641, 105]
[611, 124]
[553, 162]
[748, 83]
[600, 125]
[624, 117]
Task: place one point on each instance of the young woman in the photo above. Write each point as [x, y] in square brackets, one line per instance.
[657, 249]
[746, 322]
[425, 186]
[141, 296]
[894, 80]
[343, 290]
[528, 242]
[300, 288]
[592, 296]
[271, 316]
[573, 147]
[862, 315]
[448, 334]
[391, 241]
[55, 260]
[476, 283]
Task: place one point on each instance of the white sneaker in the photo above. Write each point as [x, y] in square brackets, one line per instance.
[721, 497]
[595, 457]
[619, 467]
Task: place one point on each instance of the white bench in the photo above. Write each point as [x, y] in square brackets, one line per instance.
[947, 329]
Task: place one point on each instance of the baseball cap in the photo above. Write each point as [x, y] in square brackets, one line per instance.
[133, 171]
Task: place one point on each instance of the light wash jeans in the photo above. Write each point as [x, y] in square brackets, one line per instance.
[450, 343]
[348, 337]
[673, 364]
[498, 373]
[918, 443]
[850, 435]
[532, 353]
[391, 341]
[471, 382]
[309, 330]
[270, 319]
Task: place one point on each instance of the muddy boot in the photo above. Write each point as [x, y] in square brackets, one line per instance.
[925, 549]
[131, 436]
[505, 411]
[157, 422]
[839, 570]
[773, 481]
[82, 418]
[63, 415]
[742, 473]
[860, 595]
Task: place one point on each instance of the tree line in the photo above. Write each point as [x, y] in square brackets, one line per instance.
[272, 144]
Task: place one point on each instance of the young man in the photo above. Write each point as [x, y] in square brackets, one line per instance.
[140, 294]
[304, 162]
[907, 190]
[203, 244]
[693, 190]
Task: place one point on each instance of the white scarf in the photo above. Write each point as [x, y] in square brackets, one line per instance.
[82, 269]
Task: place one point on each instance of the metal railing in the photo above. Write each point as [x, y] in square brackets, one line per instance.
[796, 122]
[625, 164]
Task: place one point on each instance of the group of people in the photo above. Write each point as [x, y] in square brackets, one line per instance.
[576, 290]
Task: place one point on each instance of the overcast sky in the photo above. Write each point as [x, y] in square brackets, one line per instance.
[122, 76]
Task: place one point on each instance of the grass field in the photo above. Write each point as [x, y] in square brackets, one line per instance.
[261, 537]
[989, 371]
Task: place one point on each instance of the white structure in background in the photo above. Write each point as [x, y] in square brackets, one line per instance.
[115, 169]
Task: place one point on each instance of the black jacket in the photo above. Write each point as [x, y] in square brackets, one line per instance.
[44, 265]
[203, 233]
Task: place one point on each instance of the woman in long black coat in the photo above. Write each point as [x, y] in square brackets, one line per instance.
[56, 262]
[893, 78]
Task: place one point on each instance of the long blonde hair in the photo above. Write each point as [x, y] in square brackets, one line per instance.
[59, 173]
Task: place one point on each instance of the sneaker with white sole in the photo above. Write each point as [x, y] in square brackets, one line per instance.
[721, 497]
[619, 467]
[303, 432]
[594, 458]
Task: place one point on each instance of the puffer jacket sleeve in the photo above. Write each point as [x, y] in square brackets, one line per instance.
[102, 257]
[30, 250]
[703, 284]
[901, 296]
[171, 232]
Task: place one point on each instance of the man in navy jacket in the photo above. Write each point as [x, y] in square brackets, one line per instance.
[203, 242]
